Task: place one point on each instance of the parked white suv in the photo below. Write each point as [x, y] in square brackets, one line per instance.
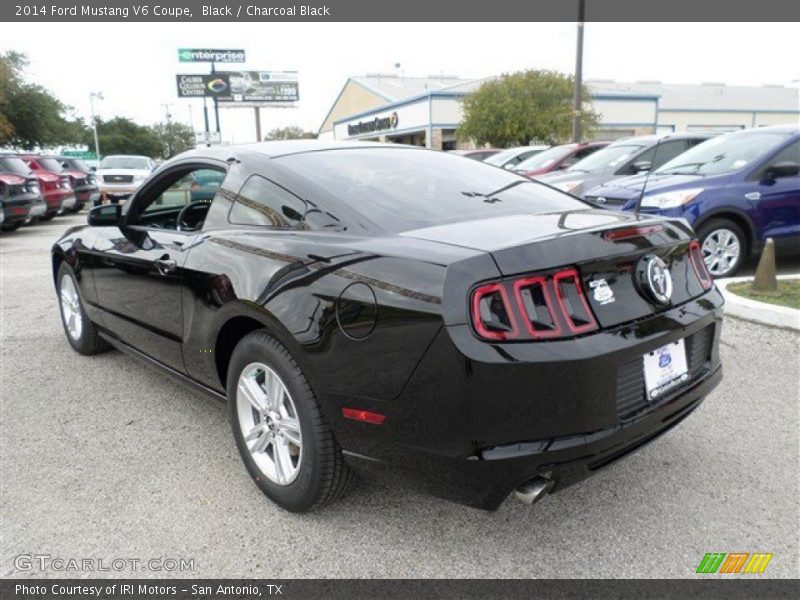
[120, 175]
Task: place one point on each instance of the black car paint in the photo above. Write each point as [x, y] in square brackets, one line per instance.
[381, 323]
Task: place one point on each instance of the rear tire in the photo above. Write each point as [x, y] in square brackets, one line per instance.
[47, 216]
[11, 226]
[723, 245]
[80, 331]
[263, 374]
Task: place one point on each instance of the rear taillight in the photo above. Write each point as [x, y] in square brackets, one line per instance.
[572, 300]
[549, 306]
[493, 314]
[699, 265]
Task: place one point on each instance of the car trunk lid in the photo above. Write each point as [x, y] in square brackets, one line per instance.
[608, 250]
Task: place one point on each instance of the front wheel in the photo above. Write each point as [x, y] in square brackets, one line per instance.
[280, 431]
[80, 331]
[723, 245]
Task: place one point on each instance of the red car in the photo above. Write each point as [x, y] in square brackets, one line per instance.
[56, 190]
[557, 158]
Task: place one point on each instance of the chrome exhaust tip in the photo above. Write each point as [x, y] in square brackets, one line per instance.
[534, 490]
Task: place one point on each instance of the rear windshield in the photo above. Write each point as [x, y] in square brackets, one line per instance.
[405, 189]
[609, 157]
[14, 165]
[125, 162]
[724, 154]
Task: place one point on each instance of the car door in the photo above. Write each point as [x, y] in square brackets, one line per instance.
[775, 201]
[138, 274]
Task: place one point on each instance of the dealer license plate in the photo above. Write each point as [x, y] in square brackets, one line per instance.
[664, 369]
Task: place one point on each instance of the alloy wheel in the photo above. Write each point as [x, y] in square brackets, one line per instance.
[269, 423]
[71, 307]
[721, 250]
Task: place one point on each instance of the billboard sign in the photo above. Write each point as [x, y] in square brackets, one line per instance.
[261, 87]
[199, 86]
[213, 55]
[206, 138]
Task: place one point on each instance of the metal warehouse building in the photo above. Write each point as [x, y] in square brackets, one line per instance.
[426, 111]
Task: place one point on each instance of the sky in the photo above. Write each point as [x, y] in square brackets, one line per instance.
[134, 64]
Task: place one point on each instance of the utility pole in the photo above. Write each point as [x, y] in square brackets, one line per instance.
[578, 106]
[168, 131]
[257, 110]
[92, 96]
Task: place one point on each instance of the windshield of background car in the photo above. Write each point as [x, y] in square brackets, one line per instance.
[543, 159]
[78, 164]
[125, 162]
[404, 189]
[723, 154]
[50, 164]
[14, 165]
[608, 158]
[501, 158]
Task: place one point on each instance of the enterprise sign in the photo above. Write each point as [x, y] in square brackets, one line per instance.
[376, 124]
[210, 55]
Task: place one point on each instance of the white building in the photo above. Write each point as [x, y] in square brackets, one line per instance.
[427, 111]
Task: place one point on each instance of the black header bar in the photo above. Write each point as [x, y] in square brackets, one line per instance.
[399, 10]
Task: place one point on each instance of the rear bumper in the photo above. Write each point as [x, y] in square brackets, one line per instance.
[55, 200]
[473, 431]
[17, 210]
[84, 194]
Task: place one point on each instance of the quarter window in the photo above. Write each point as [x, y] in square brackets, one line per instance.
[261, 202]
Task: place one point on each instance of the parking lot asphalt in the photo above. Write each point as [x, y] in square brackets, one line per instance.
[103, 457]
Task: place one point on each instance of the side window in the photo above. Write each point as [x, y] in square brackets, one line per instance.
[790, 154]
[667, 151]
[261, 202]
[161, 206]
[195, 186]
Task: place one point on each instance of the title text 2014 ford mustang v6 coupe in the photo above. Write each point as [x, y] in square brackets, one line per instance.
[399, 312]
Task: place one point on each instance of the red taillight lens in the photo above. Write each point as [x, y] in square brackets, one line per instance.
[492, 313]
[365, 416]
[539, 314]
[551, 306]
[572, 300]
[699, 265]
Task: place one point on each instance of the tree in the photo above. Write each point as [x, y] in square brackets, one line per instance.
[30, 115]
[516, 109]
[122, 136]
[292, 132]
[174, 138]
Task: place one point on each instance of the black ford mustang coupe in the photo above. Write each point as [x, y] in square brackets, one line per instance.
[399, 312]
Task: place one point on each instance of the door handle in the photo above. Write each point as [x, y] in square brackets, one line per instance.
[753, 196]
[166, 265]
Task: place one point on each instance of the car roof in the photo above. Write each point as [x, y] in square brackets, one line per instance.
[128, 156]
[284, 148]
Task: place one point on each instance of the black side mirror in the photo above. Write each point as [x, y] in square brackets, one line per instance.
[105, 216]
[642, 166]
[783, 169]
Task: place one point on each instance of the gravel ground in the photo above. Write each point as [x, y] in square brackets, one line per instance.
[107, 458]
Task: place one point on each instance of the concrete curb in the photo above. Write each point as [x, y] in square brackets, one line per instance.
[758, 312]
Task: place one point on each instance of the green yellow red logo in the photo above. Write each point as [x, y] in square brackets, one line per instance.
[734, 562]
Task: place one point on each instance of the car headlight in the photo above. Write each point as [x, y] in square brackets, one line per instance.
[671, 199]
[139, 178]
[568, 186]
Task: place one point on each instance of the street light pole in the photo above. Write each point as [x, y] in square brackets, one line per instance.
[578, 107]
[92, 96]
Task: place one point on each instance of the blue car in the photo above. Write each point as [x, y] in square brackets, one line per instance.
[736, 191]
